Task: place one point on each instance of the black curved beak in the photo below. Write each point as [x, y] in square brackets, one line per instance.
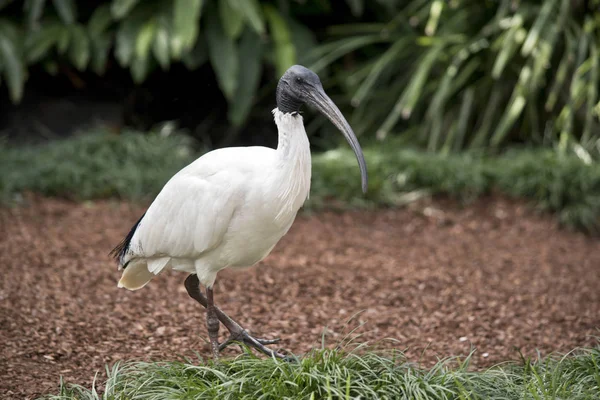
[327, 107]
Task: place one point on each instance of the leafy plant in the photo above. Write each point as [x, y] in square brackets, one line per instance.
[236, 37]
[562, 183]
[448, 74]
[96, 165]
[136, 166]
[473, 74]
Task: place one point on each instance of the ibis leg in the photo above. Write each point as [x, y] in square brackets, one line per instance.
[236, 332]
[212, 323]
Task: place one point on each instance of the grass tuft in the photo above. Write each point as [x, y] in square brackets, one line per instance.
[335, 374]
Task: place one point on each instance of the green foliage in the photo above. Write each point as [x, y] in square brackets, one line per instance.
[558, 182]
[11, 59]
[473, 74]
[146, 35]
[134, 166]
[449, 75]
[130, 165]
[329, 374]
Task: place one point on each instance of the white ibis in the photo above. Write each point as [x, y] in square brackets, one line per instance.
[230, 207]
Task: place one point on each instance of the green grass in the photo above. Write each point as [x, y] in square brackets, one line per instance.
[136, 166]
[334, 374]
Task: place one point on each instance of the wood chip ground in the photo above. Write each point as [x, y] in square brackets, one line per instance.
[437, 278]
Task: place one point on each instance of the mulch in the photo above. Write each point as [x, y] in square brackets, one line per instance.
[438, 278]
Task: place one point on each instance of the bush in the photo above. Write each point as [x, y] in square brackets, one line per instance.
[95, 165]
[560, 183]
[136, 166]
[473, 74]
[235, 37]
[449, 75]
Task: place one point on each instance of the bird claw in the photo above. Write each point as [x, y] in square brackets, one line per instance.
[268, 341]
[259, 344]
[236, 332]
[246, 338]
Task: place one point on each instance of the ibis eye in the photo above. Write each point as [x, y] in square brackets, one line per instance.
[299, 80]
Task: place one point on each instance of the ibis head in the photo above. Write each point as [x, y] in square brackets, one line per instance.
[300, 85]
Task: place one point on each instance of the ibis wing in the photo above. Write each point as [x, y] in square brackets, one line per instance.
[189, 217]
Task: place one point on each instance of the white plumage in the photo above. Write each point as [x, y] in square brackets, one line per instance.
[229, 208]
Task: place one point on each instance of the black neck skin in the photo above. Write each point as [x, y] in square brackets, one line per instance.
[286, 102]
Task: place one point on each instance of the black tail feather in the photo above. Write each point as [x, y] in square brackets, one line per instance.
[121, 249]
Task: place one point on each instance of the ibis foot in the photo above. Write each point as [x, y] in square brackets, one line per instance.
[240, 335]
[237, 334]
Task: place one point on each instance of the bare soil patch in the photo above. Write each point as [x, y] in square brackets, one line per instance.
[435, 276]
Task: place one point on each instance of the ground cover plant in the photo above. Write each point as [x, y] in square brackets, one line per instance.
[136, 166]
[336, 374]
[130, 165]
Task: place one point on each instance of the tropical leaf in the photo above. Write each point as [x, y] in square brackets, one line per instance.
[197, 56]
[99, 21]
[407, 102]
[100, 48]
[62, 44]
[186, 17]
[285, 51]
[120, 8]
[357, 7]
[251, 10]
[40, 41]
[509, 43]
[79, 49]
[13, 64]
[231, 19]
[472, 74]
[250, 50]
[67, 10]
[34, 10]
[592, 98]
[540, 23]
[160, 47]
[126, 41]
[326, 54]
[469, 93]
[515, 107]
[385, 61]
[145, 39]
[223, 56]
[303, 38]
[435, 12]
[466, 110]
